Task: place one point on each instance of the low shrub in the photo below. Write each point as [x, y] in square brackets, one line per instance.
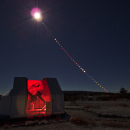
[89, 106]
[121, 105]
[79, 120]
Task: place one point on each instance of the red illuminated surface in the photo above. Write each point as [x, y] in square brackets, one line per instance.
[39, 98]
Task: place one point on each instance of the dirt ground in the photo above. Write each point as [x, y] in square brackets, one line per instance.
[90, 115]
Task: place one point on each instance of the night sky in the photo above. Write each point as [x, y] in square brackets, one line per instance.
[95, 33]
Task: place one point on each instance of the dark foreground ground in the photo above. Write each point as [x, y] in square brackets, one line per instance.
[91, 112]
[93, 115]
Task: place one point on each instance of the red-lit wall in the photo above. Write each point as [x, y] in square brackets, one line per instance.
[39, 98]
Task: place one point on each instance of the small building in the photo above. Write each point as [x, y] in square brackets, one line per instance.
[32, 98]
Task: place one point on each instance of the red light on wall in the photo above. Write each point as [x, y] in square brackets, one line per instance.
[38, 98]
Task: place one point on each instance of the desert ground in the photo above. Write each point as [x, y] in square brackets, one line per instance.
[85, 113]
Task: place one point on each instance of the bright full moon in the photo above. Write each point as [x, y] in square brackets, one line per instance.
[37, 15]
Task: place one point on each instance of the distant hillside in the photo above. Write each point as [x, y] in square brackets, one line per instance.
[91, 96]
[85, 92]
